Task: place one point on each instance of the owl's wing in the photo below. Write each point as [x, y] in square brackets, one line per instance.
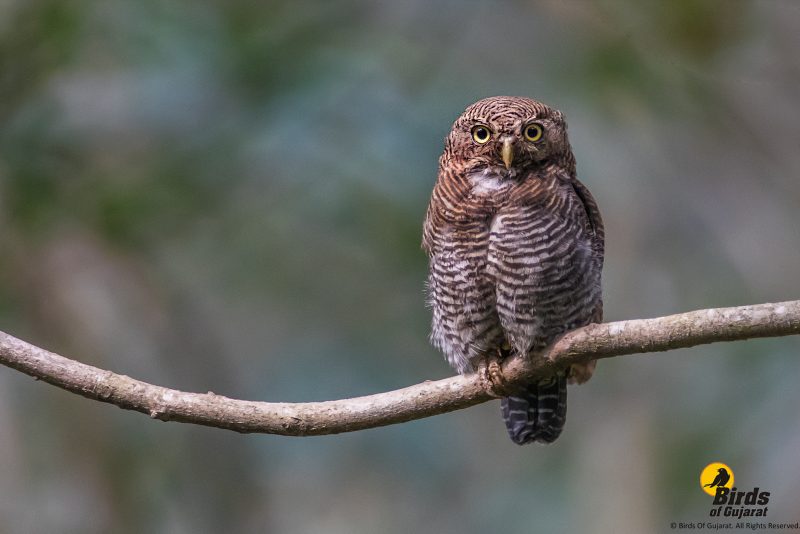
[597, 232]
[593, 213]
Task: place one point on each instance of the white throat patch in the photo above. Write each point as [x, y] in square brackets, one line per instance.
[486, 182]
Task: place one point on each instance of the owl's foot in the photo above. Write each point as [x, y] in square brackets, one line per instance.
[581, 372]
[491, 375]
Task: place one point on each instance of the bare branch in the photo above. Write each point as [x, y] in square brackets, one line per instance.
[414, 402]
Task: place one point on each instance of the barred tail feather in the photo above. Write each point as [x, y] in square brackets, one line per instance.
[538, 414]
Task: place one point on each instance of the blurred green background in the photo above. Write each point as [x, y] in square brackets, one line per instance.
[228, 196]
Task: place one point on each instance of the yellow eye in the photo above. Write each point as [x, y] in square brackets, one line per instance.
[533, 132]
[481, 134]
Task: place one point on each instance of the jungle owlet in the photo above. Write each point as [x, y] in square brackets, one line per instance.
[516, 250]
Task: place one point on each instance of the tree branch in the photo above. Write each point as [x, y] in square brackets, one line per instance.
[415, 402]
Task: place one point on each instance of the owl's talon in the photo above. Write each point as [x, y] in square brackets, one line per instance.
[492, 379]
[581, 372]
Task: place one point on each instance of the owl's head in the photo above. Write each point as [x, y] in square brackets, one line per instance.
[508, 136]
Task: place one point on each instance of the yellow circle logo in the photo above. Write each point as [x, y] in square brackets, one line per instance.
[716, 475]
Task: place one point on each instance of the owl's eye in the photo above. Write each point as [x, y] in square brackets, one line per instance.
[533, 132]
[481, 134]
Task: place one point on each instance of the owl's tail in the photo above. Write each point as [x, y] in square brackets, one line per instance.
[539, 413]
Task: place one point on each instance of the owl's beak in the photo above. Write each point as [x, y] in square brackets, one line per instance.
[507, 152]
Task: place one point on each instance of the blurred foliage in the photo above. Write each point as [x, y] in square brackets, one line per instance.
[228, 196]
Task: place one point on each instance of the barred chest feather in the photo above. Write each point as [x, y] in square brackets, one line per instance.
[515, 263]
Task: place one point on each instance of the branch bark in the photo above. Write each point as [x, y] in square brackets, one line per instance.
[415, 402]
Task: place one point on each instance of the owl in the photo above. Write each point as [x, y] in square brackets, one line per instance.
[515, 244]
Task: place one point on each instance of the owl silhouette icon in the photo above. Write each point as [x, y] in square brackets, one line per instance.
[721, 479]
